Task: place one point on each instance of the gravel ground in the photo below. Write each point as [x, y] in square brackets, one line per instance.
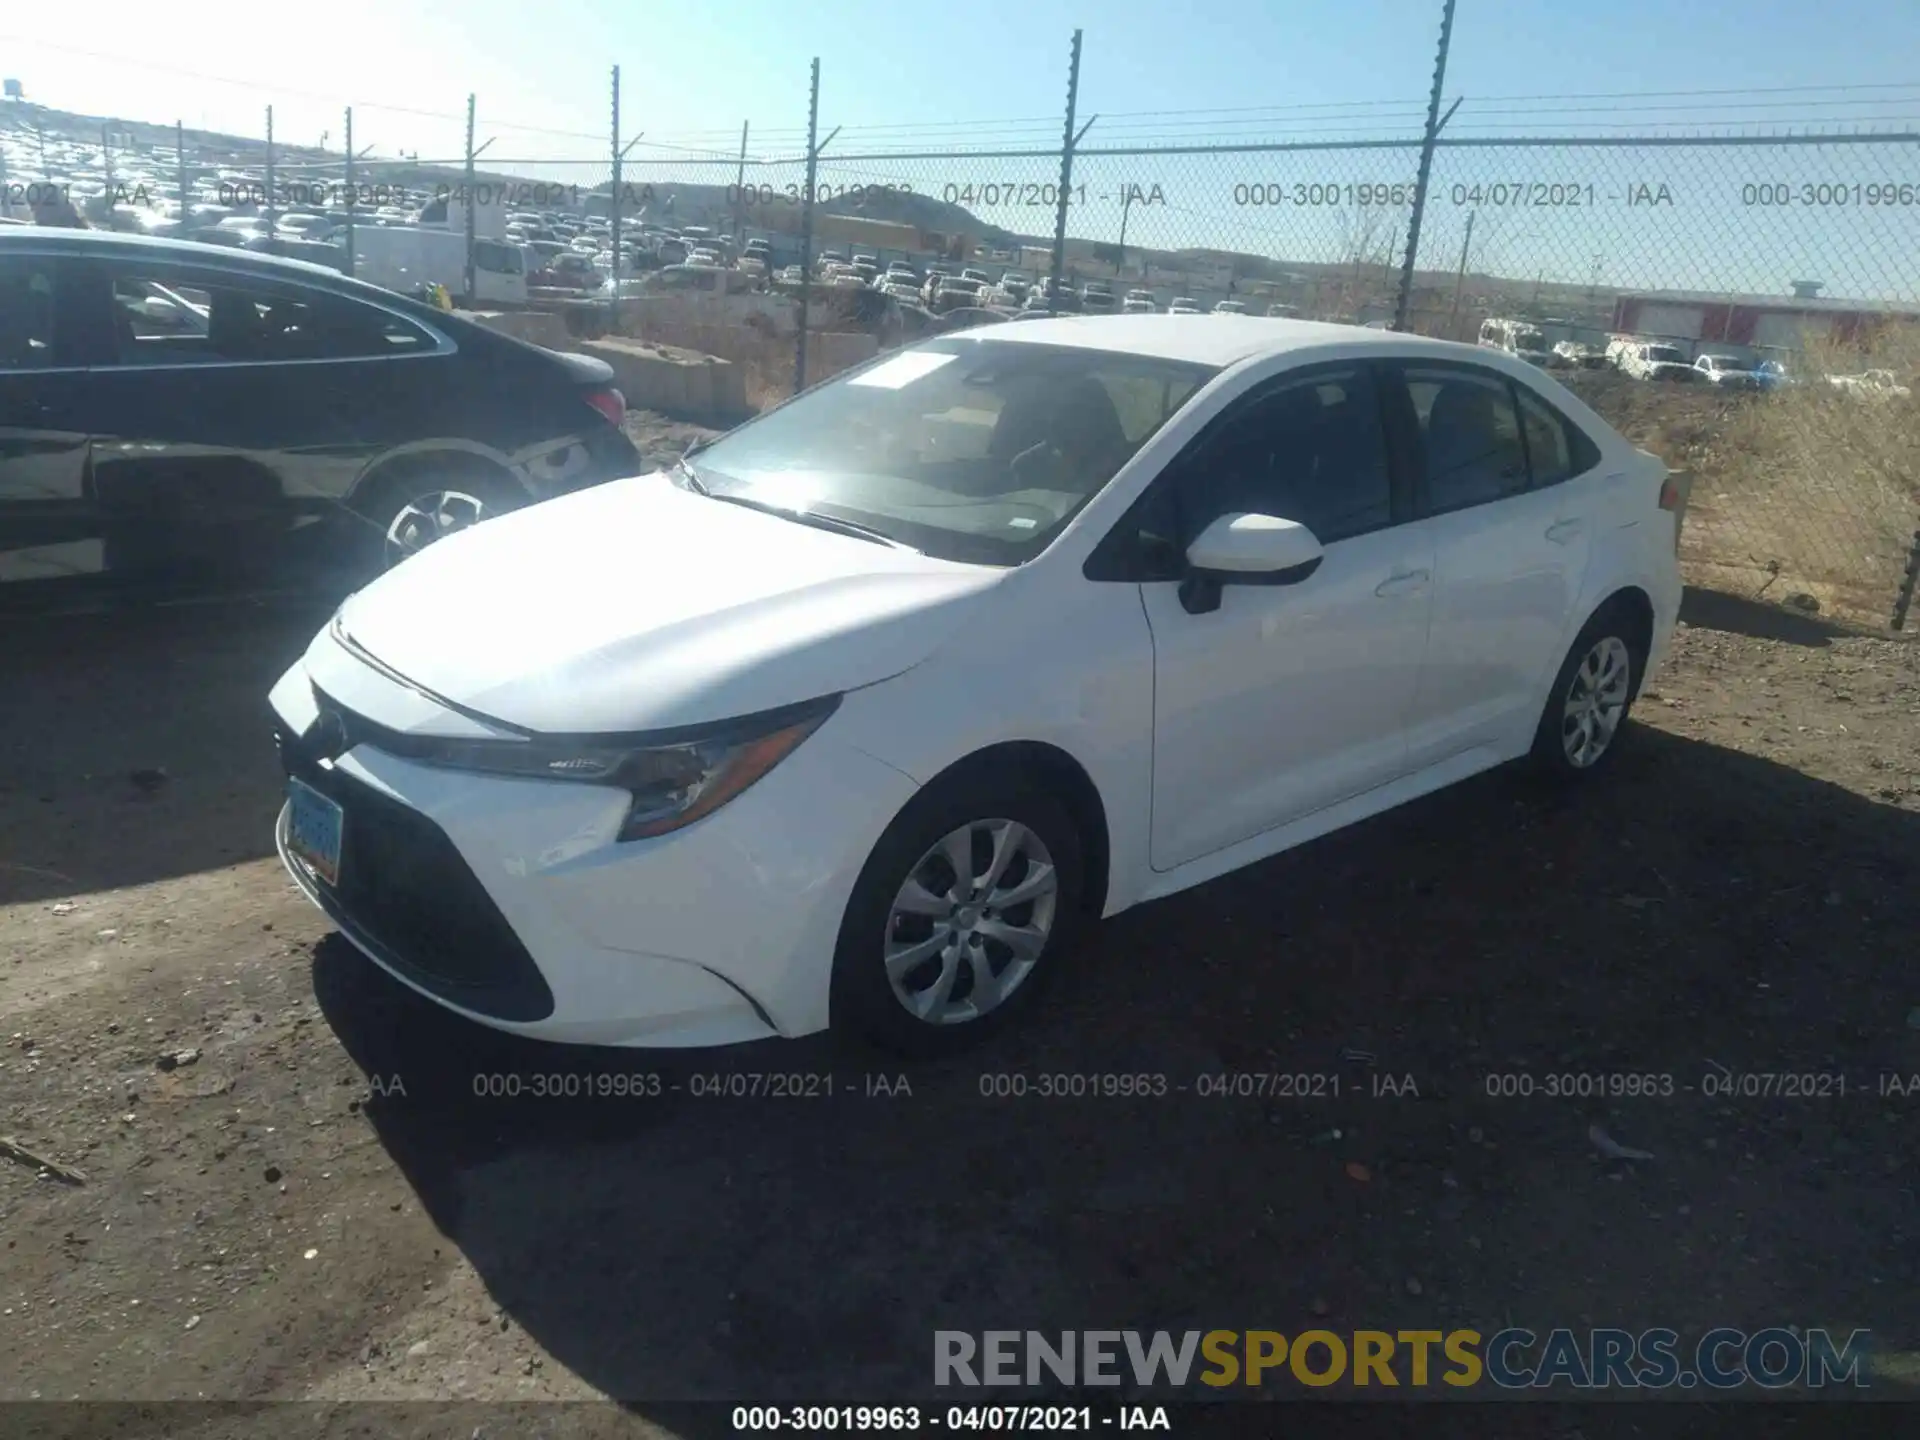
[291, 1189]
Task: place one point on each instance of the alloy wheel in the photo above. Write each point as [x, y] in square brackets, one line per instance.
[970, 921]
[1596, 701]
[430, 517]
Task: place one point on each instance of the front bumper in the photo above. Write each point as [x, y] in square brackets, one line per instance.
[509, 901]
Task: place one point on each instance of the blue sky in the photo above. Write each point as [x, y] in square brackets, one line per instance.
[993, 73]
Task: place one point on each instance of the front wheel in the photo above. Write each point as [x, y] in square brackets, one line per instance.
[959, 915]
[1591, 696]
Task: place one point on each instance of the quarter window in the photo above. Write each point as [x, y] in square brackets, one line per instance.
[165, 320]
[1470, 446]
[1312, 451]
[1556, 448]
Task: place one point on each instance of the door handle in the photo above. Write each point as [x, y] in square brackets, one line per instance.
[1404, 582]
[1561, 531]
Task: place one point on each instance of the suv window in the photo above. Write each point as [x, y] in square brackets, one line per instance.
[497, 258]
[1311, 451]
[26, 313]
[1470, 446]
[165, 320]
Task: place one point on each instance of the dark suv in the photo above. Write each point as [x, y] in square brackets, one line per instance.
[191, 417]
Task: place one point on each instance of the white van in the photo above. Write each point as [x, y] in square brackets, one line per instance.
[406, 257]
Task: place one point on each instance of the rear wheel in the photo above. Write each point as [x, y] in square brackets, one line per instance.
[1587, 707]
[959, 915]
[411, 508]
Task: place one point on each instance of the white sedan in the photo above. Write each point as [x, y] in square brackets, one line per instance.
[864, 711]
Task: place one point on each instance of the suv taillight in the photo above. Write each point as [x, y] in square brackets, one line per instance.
[610, 403]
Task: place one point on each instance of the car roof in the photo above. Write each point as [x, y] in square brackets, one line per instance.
[1220, 340]
[56, 240]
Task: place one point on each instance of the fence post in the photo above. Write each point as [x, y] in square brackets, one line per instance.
[350, 190]
[106, 164]
[180, 173]
[469, 198]
[1066, 181]
[806, 230]
[739, 192]
[1903, 598]
[1434, 122]
[269, 194]
[613, 210]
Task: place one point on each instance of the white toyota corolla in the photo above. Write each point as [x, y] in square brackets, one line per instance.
[858, 713]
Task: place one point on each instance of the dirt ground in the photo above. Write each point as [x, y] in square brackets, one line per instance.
[292, 1190]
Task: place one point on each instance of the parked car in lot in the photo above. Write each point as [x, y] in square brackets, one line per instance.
[1230, 307]
[186, 416]
[1516, 337]
[1658, 362]
[568, 270]
[1729, 372]
[1096, 298]
[1268, 578]
[1184, 305]
[1872, 384]
[1131, 306]
[1575, 355]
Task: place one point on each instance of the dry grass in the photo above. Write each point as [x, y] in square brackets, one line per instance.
[1807, 491]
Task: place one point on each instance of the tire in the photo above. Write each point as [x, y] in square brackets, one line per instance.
[864, 998]
[439, 496]
[1609, 651]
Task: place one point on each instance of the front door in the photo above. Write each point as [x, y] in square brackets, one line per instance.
[1287, 698]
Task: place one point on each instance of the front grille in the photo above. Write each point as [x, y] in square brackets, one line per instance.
[404, 887]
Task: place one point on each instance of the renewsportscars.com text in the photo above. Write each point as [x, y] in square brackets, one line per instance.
[1774, 1358]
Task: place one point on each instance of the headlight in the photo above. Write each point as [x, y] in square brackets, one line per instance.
[674, 779]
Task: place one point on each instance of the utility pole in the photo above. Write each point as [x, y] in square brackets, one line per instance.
[1460, 279]
[350, 190]
[613, 203]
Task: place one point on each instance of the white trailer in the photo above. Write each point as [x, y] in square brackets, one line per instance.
[406, 257]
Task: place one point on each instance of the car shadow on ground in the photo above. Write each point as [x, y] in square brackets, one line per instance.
[146, 750]
[1739, 615]
[1362, 1165]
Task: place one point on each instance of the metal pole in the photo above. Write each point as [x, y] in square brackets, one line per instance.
[1066, 182]
[1460, 279]
[106, 164]
[350, 190]
[1126, 205]
[269, 196]
[739, 187]
[1903, 598]
[471, 198]
[180, 169]
[1426, 169]
[613, 227]
[806, 230]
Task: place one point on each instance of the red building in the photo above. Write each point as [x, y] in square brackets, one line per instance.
[1765, 322]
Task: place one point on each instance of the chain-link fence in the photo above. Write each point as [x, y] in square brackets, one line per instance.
[1619, 263]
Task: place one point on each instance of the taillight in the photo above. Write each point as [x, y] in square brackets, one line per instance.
[1669, 494]
[610, 403]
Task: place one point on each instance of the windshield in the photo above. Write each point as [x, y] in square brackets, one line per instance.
[968, 450]
[1665, 354]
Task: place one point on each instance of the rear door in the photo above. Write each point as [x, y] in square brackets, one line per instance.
[236, 410]
[1512, 538]
[48, 525]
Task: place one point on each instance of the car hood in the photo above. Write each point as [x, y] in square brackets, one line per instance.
[638, 605]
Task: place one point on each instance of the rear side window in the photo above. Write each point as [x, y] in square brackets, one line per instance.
[161, 319]
[1557, 449]
[1470, 446]
[498, 259]
[26, 313]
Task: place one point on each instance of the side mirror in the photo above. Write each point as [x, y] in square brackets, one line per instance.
[1247, 549]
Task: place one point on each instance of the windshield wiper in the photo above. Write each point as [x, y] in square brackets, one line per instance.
[814, 518]
[687, 474]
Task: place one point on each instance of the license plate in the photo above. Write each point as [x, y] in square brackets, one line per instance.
[313, 829]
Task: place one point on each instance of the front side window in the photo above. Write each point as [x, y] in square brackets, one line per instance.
[977, 451]
[1312, 451]
[26, 313]
[162, 319]
[1470, 446]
